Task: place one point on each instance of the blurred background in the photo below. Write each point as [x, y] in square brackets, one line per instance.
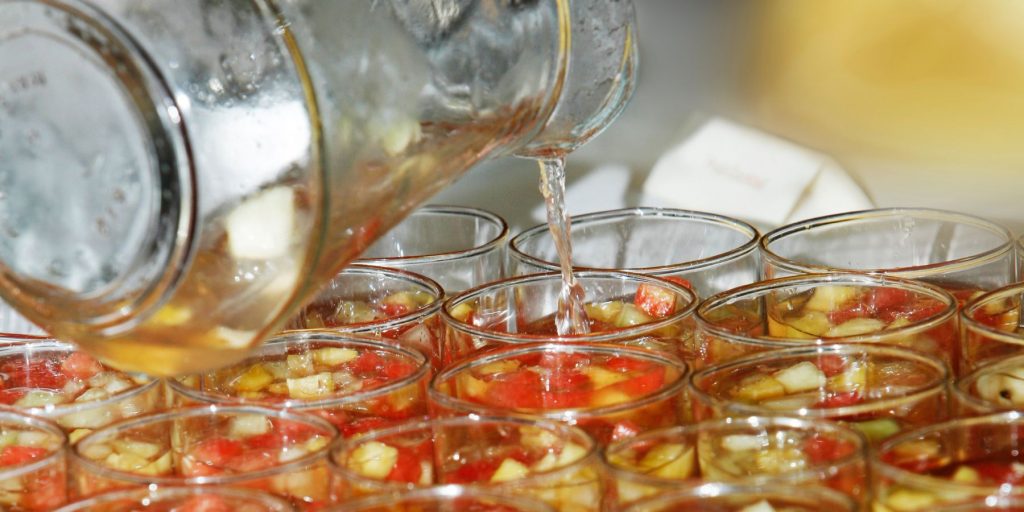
[921, 101]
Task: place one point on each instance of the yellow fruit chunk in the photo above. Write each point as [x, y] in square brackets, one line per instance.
[906, 500]
[254, 379]
[510, 469]
[334, 356]
[829, 298]
[856, 327]
[632, 315]
[803, 376]
[605, 312]
[461, 312]
[967, 475]
[601, 377]
[760, 389]
[671, 460]
[316, 386]
[373, 459]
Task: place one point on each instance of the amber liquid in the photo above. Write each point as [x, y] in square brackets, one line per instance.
[571, 318]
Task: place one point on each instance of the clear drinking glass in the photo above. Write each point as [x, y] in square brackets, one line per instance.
[377, 301]
[456, 246]
[33, 463]
[877, 390]
[959, 252]
[653, 241]
[623, 309]
[544, 460]
[56, 381]
[762, 451]
[827, 308]
[181, 499]
[990, 327]
[986, 505]
[261, 147]
[444, 499]
[611, 392]
[355, 384]
[280, 452]
[951, 462]
[720, 497]
[997, 386]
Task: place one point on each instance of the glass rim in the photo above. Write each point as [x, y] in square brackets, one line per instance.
[996, 502]
[516, 339]
[111, 431]
[916, 271]
[442, 492]
[445, 400]
[390, 322]
[757, 289]
[293, 338]
[740, 424]
[496, 242]
[56, 411]
[567, 433]
[15, 416]
[748, 247]
[935, 386]
[998, 419]
[961, 387]
[968, 322]
[726, 490]
[159, 493]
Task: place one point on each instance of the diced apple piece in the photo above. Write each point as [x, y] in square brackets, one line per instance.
[607, 396]
[248, 425]
[809, 325]
[632, 315]
[315, 386]
[570, 453]
[499, 367]
[395, 135]
[471, 386]
[40, 398]
[300, 365]
[143, 449]
[255, 378]
[853, 377]
[761, 389]
[510, 469]
[906, 500]
[93, 395]
[742, 443]
[373, 459]
[803, 376]
[161, 466]
[533, 437]
[602, 377]
[829, 298]
[261, 227]
[462, 312]
[856, 327]
[761, 506]
[878, 429]
[779, 460]
[670, 460]
[1006, 388]
[920, 449]
[334, 356]
[78, 434]
[128, 462]
[605, 312]
[791, 403]
[96, 451]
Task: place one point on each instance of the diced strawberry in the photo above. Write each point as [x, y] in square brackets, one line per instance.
[834, 400]
[253, 460]
[268, 441]
[407, 468]
[17, 455]
[368, 362]
[831, 364]
[39, 374]
[393, 309]
[48, 491]
[216, 452]
[520, 390]
[80, 365]
[395, 369]
[645, 383]
[856, 309]
[205, 503]
[654, 300]
[9, 396]
[888, 297]
[822, 449]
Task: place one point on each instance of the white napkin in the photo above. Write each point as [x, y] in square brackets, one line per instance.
[738, 171]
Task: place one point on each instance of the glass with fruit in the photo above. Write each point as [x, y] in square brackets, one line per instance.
[356, 384]
[653, 241]
[990, 327]
[951, 462]
[764, 451]
[446, 498]
[738, 498]
[545, 460]
[280, 452]
[611, 392]
[33, 463]
[181, 499]
[387, 303]
[622, 308]
[827, 308]
[456, 246]
[57, 381]
[997, 386]
[959, 252]
[877, 390]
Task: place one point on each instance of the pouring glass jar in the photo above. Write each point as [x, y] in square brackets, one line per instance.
[177, 177]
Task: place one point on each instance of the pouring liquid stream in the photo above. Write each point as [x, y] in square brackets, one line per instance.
[571, 317]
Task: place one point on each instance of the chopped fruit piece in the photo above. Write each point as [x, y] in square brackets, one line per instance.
[602, 378]
[828, 298]
[300, 365]
[966, 475]
[374, 459]
[877, 430]
[254, 379]
[670, 460]
[18, 455]
[804, 376]
[510, 469]
[249, 425]
[853, 377]
[761, 506]
[654, 300]
[261, 228]
[605, 312]
[856, 327]
[462, 312]
[630, 316]
[81, 366]
[316, 386]
[906, 500]
[760, 389]
[742, 443]
[334, 356]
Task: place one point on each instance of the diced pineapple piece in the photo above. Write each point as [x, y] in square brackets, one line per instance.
[96, 451]
[534, 437]
[172, 314]
[261, 228]
[40, 398]
[809, 325]
[315, 386]
[373, 459]
[920, 449]
[471, 386]
[161, 466]
[761, 506]
[853, 377]
[996, 307]
[967, 475]
[278, 388]
[856, 327]
[907, 500]
[128, 462]
[743, 442]
[334, 356]
[780, 460]
[803, 376]
[632, 315]
[761, 389]
[254, 379]
[37, 439]
[510, 469]
[248, 425]
[462, 311]
[791, 403]
[828, 298]
[300, 365]
[548, 462]
[602, 377]
[570, 453]
[8, 437]
[78, 434]
[143, 449]
[93, 395]
[605, 312]
[498, 367]
[315, 444]
[670, 460]
[354, 312]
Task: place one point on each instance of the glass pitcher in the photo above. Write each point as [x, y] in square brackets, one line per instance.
[176, 177]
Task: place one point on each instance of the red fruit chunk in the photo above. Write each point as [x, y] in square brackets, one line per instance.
[476, 471]
[9, 396]
[825, 449]
[831, 364]
[654, 300]
[407, 467]
[393, 309]
[628, 364]
[645, 383]
[81, 366]
[17, 455]
[521, 390]
[840, 400]
[998, 473]
[216, 452]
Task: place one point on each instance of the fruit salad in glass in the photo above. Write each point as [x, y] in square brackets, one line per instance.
[280, 452]
[877, 390]
[549, 461]
[357, 384]
[720, 497]
[446, 498]
[612, 392]
[33, 463]
[997, 386]
[765, 451]
[59, 382]
[990, 325]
